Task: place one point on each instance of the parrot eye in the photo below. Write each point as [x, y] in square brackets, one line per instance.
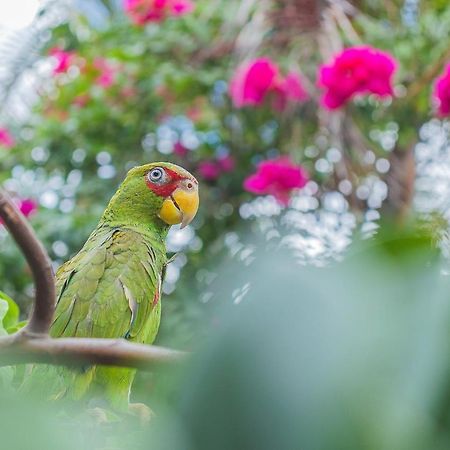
[155, 175]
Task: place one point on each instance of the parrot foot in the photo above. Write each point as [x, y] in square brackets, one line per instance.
[141, 411]
[98, 414]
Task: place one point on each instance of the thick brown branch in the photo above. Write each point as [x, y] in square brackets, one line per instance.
[86, 351]
[38, 261]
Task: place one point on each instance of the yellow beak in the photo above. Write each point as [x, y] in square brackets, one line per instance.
[181, 206]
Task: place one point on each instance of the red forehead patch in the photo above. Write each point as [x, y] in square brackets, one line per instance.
[165, 189]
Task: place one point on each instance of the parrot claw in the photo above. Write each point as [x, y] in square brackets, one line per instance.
[99, 415]
[142, 411]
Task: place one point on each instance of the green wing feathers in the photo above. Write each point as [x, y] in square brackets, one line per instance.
[109, 288]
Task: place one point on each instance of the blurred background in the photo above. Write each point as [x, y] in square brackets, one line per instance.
[308, 124]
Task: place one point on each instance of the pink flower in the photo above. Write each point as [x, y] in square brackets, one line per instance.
[63, 60]
[356, 70]
[181, 7]
[6, 139]
[106, 75]
[27, 206]
[289, 89]
[212, 169]
[209, 170]
[252, 82]
[180, 150]
[259, 79]
[144, 11]
[226, 163]
[441, 92]
[277, 177]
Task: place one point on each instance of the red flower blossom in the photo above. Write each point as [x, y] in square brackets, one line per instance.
[106, 75]
[252, 82]
[6, 139]
[441, 92]
[180, 150]
[145, 11]
[259, 79]
[212, 169]
[63, 59]
[209, 170]
[277, 177]
[226, 163]
[356, 70]
[27, 206]
[290, 89]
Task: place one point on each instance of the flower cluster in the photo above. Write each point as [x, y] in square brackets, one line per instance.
[142, 12]
[63, 59]
[212, 169]
[277, 177]
[6, 139]
[27, 206]
[102, 70]
[441, 92]
[259, 79]
[106, 74]
[180, 150]
[356, 70]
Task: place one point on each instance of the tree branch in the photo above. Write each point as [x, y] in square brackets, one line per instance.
[86, 351]
[39, 262]
[33, 345]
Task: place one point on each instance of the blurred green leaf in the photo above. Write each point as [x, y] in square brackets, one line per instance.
[9, 312]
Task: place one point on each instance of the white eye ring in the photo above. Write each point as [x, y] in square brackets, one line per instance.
[155, 174]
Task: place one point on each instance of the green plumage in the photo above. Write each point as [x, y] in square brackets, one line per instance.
[111, 288]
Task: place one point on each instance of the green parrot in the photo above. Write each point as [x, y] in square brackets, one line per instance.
[112, 287]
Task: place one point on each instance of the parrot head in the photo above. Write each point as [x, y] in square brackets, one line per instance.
[177, 188]
[157, 190]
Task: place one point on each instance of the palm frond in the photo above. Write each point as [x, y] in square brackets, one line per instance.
[19, 51]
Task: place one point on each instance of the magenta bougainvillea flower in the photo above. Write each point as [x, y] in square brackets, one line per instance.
[289, 89]
[145, 11]
[209, 170]
[252, 82]
[259, 79]
[6, 139]
[277, 177]
[356, 70]
[63, 59]
[441, 92]
[213, 168]
[27, 206]
[106, 75]
[226, 163]
[180, 150]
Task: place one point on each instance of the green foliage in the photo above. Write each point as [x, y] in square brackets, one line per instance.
[9, 315]
[169, 85]
[9, 323]
[351, 356]
[346, 357]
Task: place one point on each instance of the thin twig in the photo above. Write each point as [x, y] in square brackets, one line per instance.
[87, 351]
[39, 263]
[427, 77]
